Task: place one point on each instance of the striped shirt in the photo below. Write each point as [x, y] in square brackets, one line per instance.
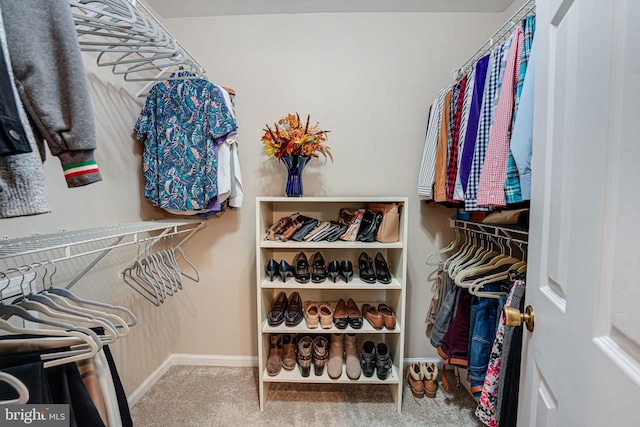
[428, 164]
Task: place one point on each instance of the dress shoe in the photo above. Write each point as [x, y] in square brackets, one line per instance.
[326, 315]
[312, 314]
[305, 355]
[365, 265]
[382, 269]
[383, 361]
[373, 316]
[293, 314]
[302, 268]
[340, 315]
[320, 354]
[336, 352]
[318, 268]
[430, 375]
[354, 315]
[272, 268]
[286, 269]
[278, 308]
[351, 356]
[388, 316]
[289, 349]
[415, 379]
[368, 358]
[346, 270]
[274, 359]
[333, 270]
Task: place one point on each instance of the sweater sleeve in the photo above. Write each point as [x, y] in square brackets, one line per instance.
[50, 77]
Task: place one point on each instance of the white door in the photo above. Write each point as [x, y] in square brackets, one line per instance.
[581, 364]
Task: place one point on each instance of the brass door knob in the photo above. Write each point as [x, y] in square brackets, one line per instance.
[513, 317]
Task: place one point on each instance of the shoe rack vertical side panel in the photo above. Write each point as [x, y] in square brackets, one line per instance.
[263, 210]
[404, 235]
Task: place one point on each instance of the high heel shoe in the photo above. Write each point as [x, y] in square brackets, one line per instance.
[286, 269]
[365, 265]
[346, 270]
[272, 268]
[302, 268]
[382, 269]
[333, 270]
[318, 268]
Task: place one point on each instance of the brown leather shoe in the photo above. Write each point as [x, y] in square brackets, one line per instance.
[430, 375]
[373, 316]
[388, 316]
[415, 379]
[274, 359]
[289, 351]
[340, 315]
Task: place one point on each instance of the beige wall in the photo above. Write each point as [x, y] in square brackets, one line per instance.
[369, 78]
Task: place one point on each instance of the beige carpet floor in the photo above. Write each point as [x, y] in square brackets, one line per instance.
[228, 397]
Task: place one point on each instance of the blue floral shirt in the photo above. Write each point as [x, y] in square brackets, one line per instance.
[178, 125]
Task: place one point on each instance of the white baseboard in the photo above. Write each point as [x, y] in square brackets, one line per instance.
[190, 360]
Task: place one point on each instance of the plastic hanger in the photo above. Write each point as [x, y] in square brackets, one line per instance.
[21, 389]
[46, 306]
[139, 285]
[451, 246]
[9, 310]
[68, 295]
[179, 251]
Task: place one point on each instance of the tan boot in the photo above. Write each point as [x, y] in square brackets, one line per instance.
[305, 355]
[274, 359]
[336, 351]
[430, 374]
[415, 379]
[289, 351]
[352, 357]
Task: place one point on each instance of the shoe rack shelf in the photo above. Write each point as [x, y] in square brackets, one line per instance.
[268, 211]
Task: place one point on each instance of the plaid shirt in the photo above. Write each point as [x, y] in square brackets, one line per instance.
[452, 165]
[482, 66]
[512, 189]
[458, 194]
[494, 171]
[489, 102]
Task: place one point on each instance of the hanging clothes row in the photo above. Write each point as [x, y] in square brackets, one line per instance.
[66, 359]
[477, 152]
[191, 163]
[465, 322]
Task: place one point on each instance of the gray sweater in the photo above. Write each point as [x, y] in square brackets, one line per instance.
[21, 175]
[50, 77]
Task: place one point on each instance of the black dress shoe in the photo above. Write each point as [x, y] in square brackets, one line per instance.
[365, 265]
[272, 268]
[294, 313]
[286, 269]
[302, 268]
[278, 308]
[346, 270]
[318, 268]
[382, 269]
[333, 270]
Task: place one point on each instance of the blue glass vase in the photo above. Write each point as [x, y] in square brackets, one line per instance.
[295, 165]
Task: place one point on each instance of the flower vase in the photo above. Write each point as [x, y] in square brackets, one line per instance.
[295, 165]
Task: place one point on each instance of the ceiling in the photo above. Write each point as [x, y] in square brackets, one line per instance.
[192, 8]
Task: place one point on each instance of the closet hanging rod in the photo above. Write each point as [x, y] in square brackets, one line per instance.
[497, 37]
[511, 234]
